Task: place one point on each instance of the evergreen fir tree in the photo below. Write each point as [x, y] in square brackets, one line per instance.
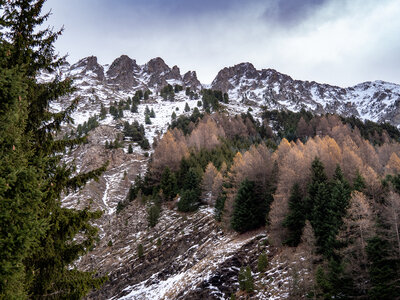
[383, 270]
[188, 201]
[168, 184]
[144, 144]
[147, 110]
[321, 220]
[190, 195]
[38, 233]
[134, 108]
[246, 282]
[152, 114]
[140, 251]
[340, 197]
[130, 149]
[333, 283]
[103, 112]
[20, 194]
[296, 218]
[173, 116]
[317, 176]
[147, 120]
[153, 214]
[359, 182]
[262, 262]
[219, 206]
[146, 95]
[187, 108]
[245, 210]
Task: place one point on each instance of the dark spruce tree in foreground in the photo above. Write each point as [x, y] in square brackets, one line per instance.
[37, 235]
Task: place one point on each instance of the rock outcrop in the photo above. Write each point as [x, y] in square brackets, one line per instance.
[122, 72]
[87, 65]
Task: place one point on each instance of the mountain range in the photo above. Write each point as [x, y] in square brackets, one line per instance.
[377, 101]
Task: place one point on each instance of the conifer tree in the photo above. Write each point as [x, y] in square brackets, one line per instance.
[153, 213]
[296, 218]
[190, 195]
[383, 270]
[168, 184]
[147, 120]
[248, 214]
[152, 114]
[103, 112]
[41, 247]
[246, 282]
[262, 263]
[20, 194]
[359, 182]
[187, 108]
[318, 176]
[134, 107]
[340, 198]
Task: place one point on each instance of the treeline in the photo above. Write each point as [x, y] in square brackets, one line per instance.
[330, 194]
[302, 125]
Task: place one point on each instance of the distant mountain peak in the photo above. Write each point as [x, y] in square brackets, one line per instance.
[89, 64]
[121, 71]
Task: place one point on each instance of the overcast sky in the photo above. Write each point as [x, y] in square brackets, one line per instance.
[341, 42]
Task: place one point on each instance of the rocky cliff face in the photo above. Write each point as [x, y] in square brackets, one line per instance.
[122, 72]
[125, 74]
[89, 65]
[190, 79]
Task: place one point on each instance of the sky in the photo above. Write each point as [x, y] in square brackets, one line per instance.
[339, 42]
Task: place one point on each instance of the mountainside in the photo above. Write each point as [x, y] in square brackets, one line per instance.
[185, 256]
[377, 101]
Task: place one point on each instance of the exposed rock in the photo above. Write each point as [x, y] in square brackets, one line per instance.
[159, 73]
[190, 80]
[230, 77]
[89, 64]
[122, 71]
[174, 74]
[157, 66]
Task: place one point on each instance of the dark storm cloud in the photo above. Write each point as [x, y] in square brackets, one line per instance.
[288, 13]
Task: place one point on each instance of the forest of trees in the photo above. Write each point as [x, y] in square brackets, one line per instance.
[331, 192]
[38, 243]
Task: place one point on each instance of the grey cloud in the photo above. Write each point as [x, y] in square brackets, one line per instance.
[289, 13]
